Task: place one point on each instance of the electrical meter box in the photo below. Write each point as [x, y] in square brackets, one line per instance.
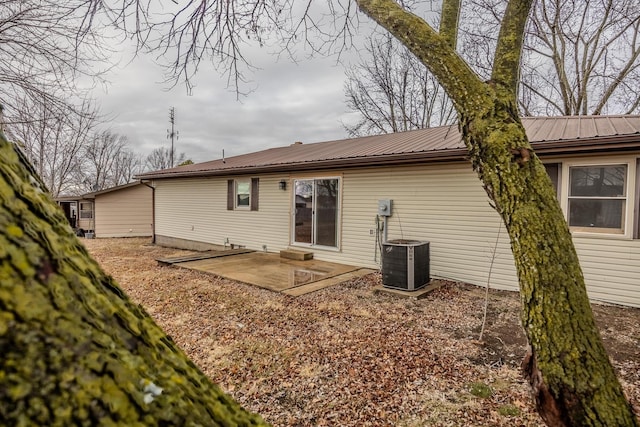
[384, 207]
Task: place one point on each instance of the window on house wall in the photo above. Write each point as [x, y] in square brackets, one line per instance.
[597, 198]
[553, 170]
[86, 210]
[242, 194]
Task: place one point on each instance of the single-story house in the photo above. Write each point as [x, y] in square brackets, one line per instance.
[324, 197]
[79, 211]
[121, 211]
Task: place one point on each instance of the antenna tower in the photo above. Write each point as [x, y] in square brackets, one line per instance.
[173, 134]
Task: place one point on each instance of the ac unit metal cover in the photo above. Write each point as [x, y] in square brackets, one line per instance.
[405, 264]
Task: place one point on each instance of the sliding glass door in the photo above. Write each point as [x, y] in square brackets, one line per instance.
[316, 211]
[303, 217]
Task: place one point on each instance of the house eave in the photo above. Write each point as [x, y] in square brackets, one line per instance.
[87, 197]
[384, 160]
[112, 189]
[624, 143]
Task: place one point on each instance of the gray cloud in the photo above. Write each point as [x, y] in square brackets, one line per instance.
[289, 102]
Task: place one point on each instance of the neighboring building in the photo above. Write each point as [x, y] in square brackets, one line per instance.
[69, 205]
[79, 211]
[122, 211]
[324, 197]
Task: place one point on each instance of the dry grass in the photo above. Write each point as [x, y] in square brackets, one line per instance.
[350, 357]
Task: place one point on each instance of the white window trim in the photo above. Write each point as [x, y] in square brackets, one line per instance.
[237, 182]
[88, 211]
[630, 185]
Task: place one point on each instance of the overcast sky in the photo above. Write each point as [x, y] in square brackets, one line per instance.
[290, 102]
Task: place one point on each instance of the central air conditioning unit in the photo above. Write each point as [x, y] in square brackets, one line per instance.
[405, 264]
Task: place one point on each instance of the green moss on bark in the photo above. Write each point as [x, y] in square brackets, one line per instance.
[506, 65]
[574, 381]
[75, 349]
[449, 21]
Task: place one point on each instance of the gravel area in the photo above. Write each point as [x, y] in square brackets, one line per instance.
[347, 356]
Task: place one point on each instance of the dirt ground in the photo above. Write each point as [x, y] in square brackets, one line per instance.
[348, 356]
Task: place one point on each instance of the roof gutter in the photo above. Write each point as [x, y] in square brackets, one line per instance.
[586, 145]
[612, 143]
[383, 160]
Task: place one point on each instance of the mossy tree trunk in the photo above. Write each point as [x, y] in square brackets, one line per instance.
[74, 350]
[572, 378]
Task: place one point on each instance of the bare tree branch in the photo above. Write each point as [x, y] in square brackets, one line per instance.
[450, 17]
[433, 50]
[392, 91]
[595, 52]
[53, 141]
[161, 158]
[43, 51]
[506, 65]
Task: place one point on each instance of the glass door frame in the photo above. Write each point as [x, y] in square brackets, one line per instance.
[313, 217]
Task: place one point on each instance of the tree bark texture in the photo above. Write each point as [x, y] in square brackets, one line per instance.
[74, 349]
[572, 378]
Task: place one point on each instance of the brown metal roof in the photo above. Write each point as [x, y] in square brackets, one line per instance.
[111, 189]
[93, 194]
[546, 134]
[579, 127]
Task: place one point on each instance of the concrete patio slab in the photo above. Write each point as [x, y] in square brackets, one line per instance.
[270, 271]
[321, 284]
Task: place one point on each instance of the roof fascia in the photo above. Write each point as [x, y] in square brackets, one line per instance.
[383, 160]
[575, 146]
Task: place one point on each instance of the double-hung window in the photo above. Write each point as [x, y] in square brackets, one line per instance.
[242, 193]
[86, 210]
[597, 198]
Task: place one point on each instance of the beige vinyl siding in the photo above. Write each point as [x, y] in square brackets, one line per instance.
[196, 209]
[126, 212]
[611, 268]
[440, 203]
[85, 224]
[446, 205]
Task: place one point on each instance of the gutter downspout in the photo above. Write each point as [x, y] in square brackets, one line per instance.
[153, 211]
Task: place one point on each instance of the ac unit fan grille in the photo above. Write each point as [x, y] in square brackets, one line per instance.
[405, 264]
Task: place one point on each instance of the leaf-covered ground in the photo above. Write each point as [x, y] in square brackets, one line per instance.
[348, 356]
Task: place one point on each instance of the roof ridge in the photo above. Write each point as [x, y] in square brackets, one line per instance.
[438, 142]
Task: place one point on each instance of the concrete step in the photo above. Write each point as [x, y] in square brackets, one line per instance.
[296, 254]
